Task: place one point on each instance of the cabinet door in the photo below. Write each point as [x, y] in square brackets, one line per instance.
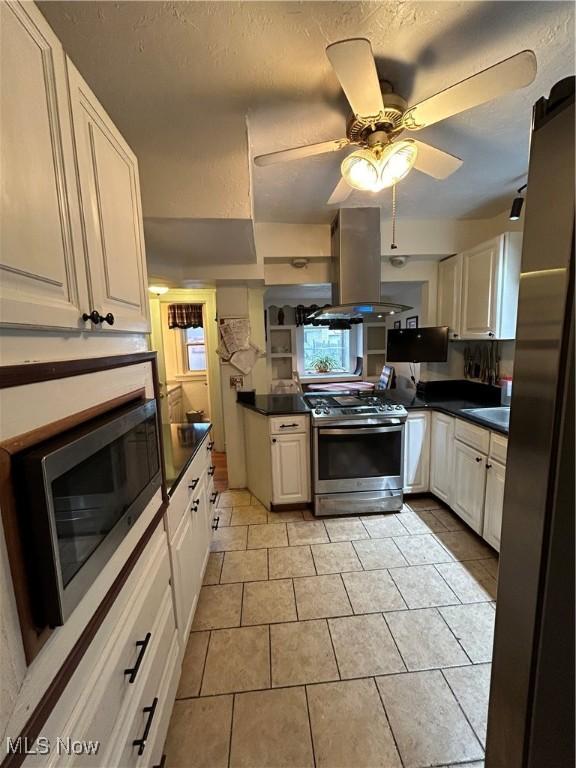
[441, 455]
[449, 294]
[495, 477]
[186, 570]
[480, 292]
[469, 481]
[417, 452]
[290, 469]
[42, 280]
[112, 215]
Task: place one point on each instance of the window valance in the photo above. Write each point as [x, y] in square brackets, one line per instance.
[185, 316]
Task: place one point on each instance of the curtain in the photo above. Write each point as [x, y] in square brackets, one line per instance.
[185, 316]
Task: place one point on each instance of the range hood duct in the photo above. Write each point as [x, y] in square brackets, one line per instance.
[355, 271]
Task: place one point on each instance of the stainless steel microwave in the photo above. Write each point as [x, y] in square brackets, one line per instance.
[78, 496]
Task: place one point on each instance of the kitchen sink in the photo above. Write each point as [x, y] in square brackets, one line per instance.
[499, 415]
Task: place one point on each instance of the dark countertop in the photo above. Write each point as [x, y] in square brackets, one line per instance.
[439, 398]
[181, 443]
[277, 405]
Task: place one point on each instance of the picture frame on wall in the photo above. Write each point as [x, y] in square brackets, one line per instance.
[397, 324]
[412, 322]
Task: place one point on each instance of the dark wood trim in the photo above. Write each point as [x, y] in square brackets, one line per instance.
[46, 431]
[32, 373]
[43, 709]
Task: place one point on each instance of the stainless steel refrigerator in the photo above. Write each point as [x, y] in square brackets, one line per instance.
[531, 712]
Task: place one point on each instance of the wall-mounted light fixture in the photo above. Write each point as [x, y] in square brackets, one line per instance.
[517, 204]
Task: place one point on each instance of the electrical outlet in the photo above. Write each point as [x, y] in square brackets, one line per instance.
[236, 381]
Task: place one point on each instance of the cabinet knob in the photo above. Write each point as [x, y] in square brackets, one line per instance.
[455, 335]
[210, 445]
[491, 334]
[97, 318]
[478, 458]
[488, 466]
[273, 439]
[211, 470]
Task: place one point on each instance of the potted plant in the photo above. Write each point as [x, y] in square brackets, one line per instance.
[324, 364]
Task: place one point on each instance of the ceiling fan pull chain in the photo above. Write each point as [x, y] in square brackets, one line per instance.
[393, 245]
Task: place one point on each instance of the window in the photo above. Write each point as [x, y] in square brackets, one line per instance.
[194, 350]
[322, 344]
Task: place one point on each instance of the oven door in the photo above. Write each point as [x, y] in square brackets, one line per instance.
[357, 458]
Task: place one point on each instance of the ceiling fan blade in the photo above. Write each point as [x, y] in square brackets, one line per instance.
[435, 162]
[354, 65]
[508, 75]
[341, 192]
[297, 152]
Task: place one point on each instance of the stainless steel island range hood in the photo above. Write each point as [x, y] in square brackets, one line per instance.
[355, 268]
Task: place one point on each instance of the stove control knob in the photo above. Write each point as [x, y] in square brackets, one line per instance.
[326, 411]
[398, 407]
[317, 410]
[381, 408]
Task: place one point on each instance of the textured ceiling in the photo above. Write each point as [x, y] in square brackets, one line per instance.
[181, 80]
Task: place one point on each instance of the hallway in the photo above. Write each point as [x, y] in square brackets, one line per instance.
[338, 642]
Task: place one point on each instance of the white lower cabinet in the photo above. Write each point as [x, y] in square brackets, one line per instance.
[417, 452]
[290, 468]
[441, 456]
[469, 483]
[493, 506]
[186, 573]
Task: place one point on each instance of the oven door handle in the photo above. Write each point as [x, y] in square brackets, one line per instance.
[329, 431]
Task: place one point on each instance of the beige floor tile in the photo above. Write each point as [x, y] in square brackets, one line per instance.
[279, 736]
[262, 536]
[268, 602]
[422, 586]
[199, 733]
[424, 640]
[307, 514]
[345, 530]
[292, 516]
[379, 553]
[237, 660]
[364, 646]
[229, 539]
[422, 549]
[471, 686]
[307, 533]
[421, 521]
[335, 558]
[382, 527]
[286, 562]
[426, 720]
[255, 502]
[449, 520]
[473, 625]
[224, 514]
[218, 607]
[248, 565]
[248, 515]
[319, 597]
[193, 665]
[213, 568]
[469, 580]
[235, 499]
[464, 545]
[349, 727]
[424, 502]
[491, 566]
[372, 591]
[302, 653]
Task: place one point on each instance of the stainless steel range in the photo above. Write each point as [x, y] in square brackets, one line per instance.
[357, 443]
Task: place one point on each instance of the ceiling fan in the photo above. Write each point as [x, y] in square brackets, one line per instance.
[380, 116]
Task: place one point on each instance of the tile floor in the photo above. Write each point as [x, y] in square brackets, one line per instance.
[341, 643]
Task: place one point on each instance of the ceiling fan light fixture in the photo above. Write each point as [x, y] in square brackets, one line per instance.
[397, 161]
[361, 170]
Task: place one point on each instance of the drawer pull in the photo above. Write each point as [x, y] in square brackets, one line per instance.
[194, 483]
[195, 505]
[213, 497]
[143, 645]
[150, 711]
[211, 470]
[210, 445]
[162, 762]
[216, 523]
[287, 426]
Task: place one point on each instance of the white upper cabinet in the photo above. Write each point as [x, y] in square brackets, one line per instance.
[449, 294]
[490, 280]
[42, 281]
[417, 452]
[110, 190]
